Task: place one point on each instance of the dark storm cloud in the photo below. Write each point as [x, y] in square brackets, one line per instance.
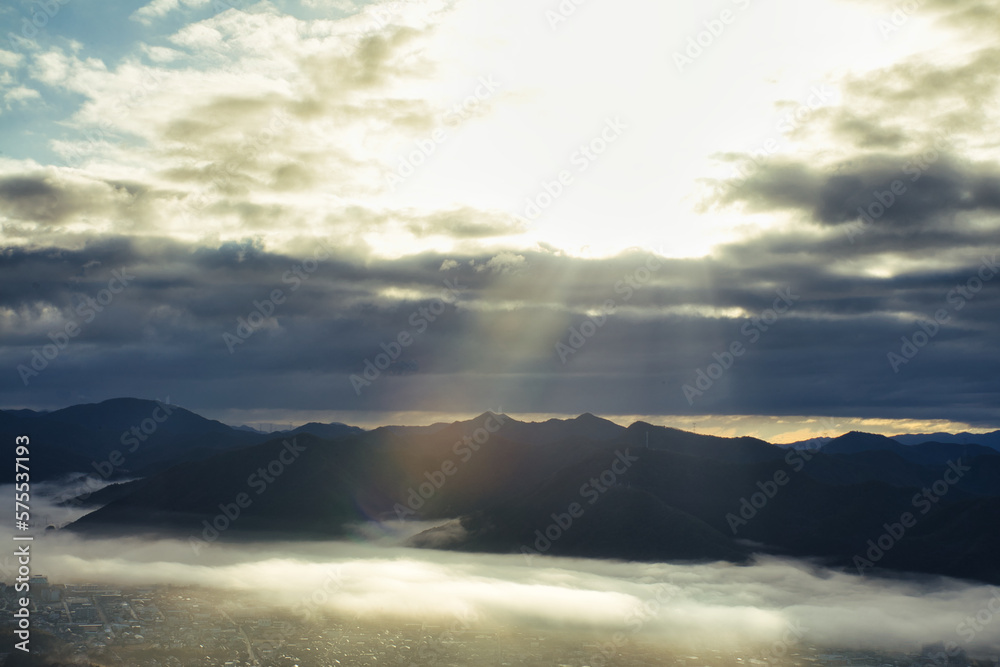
[914, 125]
[774, 250]
[930, 189]
[57, 209]
[496, 344]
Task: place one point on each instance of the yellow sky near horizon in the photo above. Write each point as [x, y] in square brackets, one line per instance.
[775, 429]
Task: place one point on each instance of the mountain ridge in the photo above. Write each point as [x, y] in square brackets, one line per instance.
[582, 487]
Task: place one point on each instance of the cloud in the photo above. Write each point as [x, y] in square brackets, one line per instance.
[930, 189]
[506, 262]
[917, 122]
[714, 605]
[21, 95]
[10, 58]
[251, 117]
[46, 508]
[48, 198]
[210, 158]
[969, 16]
[501, 329]
[157, 9]
[466, 223]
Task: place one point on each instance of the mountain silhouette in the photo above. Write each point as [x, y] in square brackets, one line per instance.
[991, 440]
[590, 488]
[120, 437]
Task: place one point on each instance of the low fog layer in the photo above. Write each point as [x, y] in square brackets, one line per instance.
[52, 502]
[685, 605]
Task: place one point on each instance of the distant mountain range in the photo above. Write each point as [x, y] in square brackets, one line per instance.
[129, 437]
[577, 487]
[987, 439]
[331, 430]
[991, 440]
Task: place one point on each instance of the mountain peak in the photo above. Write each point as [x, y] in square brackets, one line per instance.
[591, 418]
[489, 414]
[862, 435]
[859, 441]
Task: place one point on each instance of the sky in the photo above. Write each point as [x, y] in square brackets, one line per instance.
[778, 218]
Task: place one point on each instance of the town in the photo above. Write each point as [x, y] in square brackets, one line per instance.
[174, 626]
